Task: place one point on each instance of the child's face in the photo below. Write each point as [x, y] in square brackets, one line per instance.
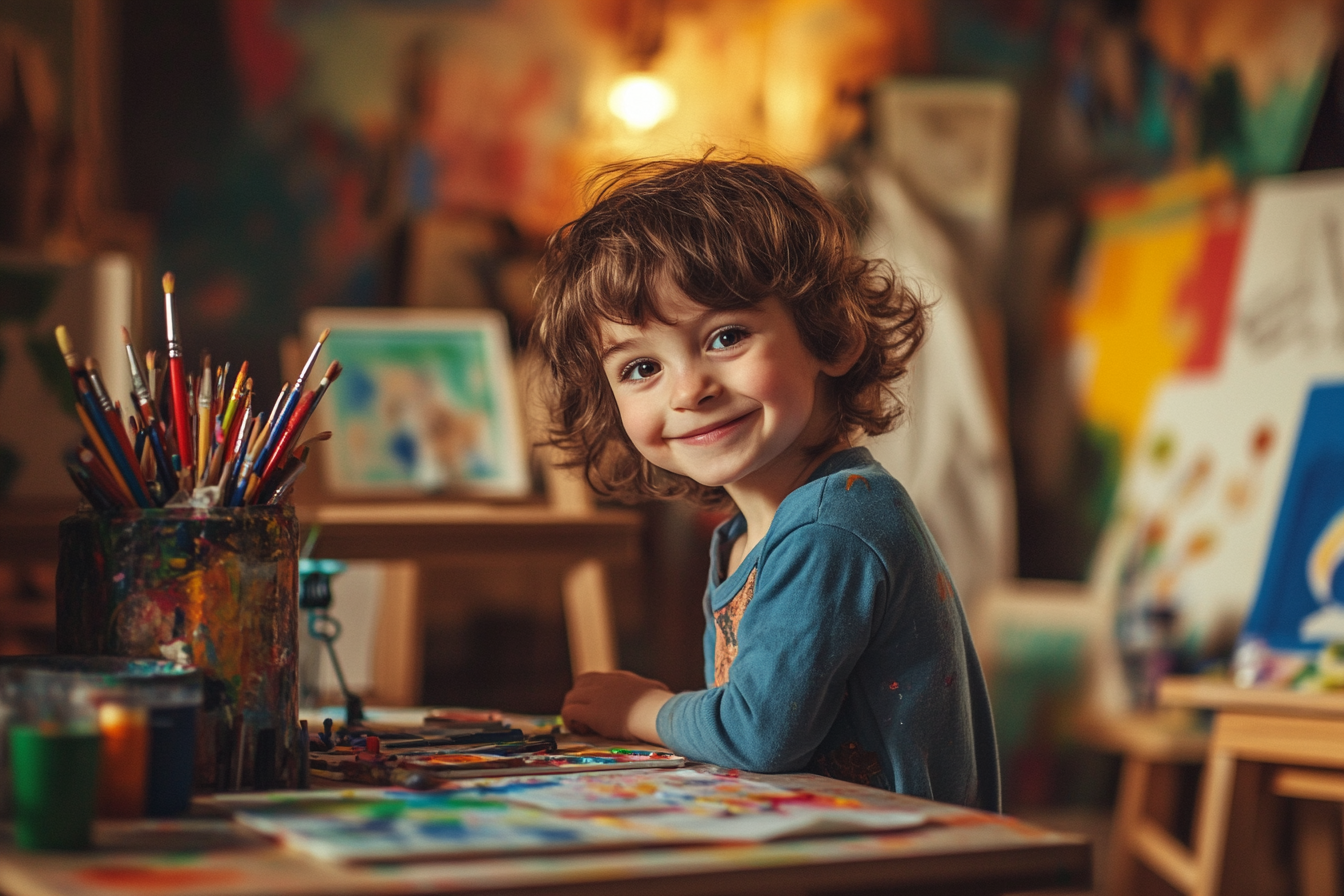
[727, 398]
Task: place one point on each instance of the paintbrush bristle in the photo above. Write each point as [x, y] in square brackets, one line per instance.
[63, 340]
[125, 335]
[325, 334]
[91, 364]
[333, 371]
[168, 282]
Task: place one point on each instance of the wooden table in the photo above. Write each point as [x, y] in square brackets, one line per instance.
[1254, 730]
[958, 851]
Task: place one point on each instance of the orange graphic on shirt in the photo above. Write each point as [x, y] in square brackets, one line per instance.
[725, 630]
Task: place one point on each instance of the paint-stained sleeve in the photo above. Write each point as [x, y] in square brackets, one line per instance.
[817, 601]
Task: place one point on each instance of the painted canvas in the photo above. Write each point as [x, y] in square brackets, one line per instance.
[561, 813]
[426, 405]
[1300, 604]
[1196, 504]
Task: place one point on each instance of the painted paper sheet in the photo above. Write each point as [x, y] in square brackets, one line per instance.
[561, 813]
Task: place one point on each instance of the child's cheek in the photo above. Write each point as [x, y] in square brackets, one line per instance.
[642, 426]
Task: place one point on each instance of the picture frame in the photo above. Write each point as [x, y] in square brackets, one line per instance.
[426, 404]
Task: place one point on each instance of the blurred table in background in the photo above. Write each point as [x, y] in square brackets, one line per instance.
[575, 535]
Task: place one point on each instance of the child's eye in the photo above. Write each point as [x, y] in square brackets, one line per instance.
[727, 338]
[640, 369]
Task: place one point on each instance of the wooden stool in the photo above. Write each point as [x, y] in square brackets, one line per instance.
[1318, 820]
[1153, 749]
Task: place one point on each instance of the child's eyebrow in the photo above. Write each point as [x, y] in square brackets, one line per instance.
[612, 349]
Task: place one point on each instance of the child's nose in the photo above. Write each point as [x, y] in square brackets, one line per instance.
[693, 388]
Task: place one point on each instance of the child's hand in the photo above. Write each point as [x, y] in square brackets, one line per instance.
[618, 705]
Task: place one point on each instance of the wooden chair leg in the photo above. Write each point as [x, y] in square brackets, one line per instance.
[1131, 798]
[1317, 844]
[592, 638]
[398, 645]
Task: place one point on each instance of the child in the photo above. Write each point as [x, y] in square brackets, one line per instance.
[711, 335]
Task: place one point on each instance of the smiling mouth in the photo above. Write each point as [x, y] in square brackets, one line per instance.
[712, 433]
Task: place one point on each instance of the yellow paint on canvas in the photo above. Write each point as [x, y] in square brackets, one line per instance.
[1125, 324]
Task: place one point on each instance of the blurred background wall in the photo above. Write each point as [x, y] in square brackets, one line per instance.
[280, 155]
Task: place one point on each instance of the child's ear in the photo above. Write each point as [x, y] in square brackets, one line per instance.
[847, 358]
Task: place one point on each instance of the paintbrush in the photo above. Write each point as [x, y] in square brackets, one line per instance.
[246, 432]
[234, 441]
[243, 485]
[277, 430]
[205, 399]
[144, 399]
[115, 433]
[177, 383]
[102, 477]
[297, 421]
[68, 352]
[231, 408]
[222, 454]
[95, 424]
[84, 482]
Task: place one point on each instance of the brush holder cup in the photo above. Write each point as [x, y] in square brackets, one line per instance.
[216, 588]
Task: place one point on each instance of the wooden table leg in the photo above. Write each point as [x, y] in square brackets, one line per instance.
[1211, 822]
[592, 638]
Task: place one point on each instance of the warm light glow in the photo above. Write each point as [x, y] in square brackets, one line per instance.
[641, 101]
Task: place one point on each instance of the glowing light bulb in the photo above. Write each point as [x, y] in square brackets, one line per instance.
[641, 101]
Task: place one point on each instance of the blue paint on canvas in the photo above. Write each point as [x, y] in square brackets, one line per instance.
[1300, 599]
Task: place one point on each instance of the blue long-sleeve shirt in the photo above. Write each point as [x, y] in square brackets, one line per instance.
[839, 646]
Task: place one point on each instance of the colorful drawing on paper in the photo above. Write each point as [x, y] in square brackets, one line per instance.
[1300, 603]
[561, 813]
[428, 404]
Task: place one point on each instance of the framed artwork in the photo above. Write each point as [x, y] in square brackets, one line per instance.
[426, 403]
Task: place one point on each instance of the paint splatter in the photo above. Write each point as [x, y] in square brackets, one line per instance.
[893, 686]
[944, 586]
[1162, 448]
[855, 477]
[1262, 441]
[140, 878]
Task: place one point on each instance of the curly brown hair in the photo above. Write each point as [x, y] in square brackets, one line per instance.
[729, 233]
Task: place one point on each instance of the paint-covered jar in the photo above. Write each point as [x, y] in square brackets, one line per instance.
[216, 588]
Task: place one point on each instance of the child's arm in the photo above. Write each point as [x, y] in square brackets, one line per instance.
[618, 705]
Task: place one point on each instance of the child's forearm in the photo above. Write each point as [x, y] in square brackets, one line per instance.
[642, 722]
